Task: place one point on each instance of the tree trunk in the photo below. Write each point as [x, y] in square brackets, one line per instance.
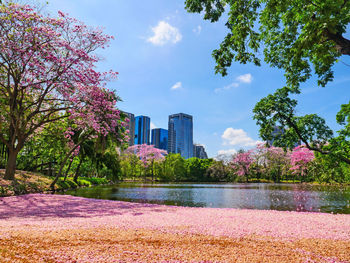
[75, 179]
[11, 165]
[152, 170]
[70, 164]
[59, 174]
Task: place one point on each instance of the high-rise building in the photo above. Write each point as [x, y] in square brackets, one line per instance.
[131, 127]
[160, 138]
[180, 134]
[142, 130]
[277, 132]
[199, 151]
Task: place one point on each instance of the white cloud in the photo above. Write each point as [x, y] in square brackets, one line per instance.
[197, 30]
[153, 126]
[228, 87]
[246, 78]
[227, 152]
[164, 33]
[237, 137]
[176, 86]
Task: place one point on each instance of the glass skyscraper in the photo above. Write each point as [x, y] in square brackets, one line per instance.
[199, 151]
[160, 138]
[180, 133]
[142, 130]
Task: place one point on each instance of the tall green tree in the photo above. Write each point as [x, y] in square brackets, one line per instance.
[301, 37]
[293, 35]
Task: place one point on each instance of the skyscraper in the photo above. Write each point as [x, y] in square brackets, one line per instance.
[199, 151]
[142, 130]
[131, 127]
[160, 138]
[180, 133]
[276, 134]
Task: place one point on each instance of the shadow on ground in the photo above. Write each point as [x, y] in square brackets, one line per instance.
[65, 206]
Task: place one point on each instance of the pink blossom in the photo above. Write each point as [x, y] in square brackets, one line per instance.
[300, 159]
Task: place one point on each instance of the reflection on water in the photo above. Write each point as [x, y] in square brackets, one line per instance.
[290, 197]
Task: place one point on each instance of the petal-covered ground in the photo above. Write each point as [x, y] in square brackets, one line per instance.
[60, 228]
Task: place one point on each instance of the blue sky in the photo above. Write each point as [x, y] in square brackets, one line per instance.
[163, 56]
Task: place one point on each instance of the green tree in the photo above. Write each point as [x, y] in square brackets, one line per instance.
[218, 172]
[174, 168]
[293, 35]
[302, 38]
[197, 168]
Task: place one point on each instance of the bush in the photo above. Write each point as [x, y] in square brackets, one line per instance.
[68, 184]
[95, 180]
[83, 182]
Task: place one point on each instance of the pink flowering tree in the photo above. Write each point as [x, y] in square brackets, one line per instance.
[241, 162]
[47, 73]
[300, 159]
[277, 160]
[148, 154]
[272, 161]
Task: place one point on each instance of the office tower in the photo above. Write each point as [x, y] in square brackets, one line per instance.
[160, 138]
[276, 134]
[142, 130]
[131, 127]
[199, 151]
[180, 134]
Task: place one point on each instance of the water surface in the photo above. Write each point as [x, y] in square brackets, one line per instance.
[285, 197]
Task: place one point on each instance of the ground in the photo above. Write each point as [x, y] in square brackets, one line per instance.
[57, 228]
[26, 182]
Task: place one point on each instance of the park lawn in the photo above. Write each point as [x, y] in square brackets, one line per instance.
[29, 182]
[24, 183]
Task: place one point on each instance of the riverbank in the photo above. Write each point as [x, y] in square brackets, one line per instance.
[59, 228]
[30, 182]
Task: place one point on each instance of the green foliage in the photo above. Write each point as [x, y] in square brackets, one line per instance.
[83, 182]
[296, 36]
[174, 169]
[95, 180]
[301, 37]
[197, 169]
[219, 172]
[68, 184]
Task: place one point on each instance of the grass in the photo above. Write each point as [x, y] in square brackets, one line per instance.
[31, 182]
[24, 183]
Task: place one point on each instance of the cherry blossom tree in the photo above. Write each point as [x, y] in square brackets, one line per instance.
[277, 160]
[300, 159]
[241, 162]
[148, 154]
[272, 161]
[47, 73]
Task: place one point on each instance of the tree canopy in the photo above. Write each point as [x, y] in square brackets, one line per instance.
[47, 73]
[297, 36]
[301, 37]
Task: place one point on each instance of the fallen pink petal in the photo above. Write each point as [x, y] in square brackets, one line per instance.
[62, 228]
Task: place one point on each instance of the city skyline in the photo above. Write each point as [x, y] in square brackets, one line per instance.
[178, 138]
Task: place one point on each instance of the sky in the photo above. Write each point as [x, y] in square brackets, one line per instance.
[163, 56]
